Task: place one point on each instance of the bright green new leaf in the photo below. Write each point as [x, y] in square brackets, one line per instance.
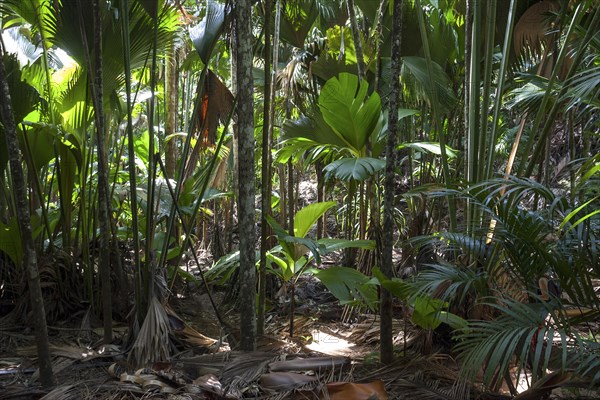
[395, 286]
[308, 216]
[425, 313]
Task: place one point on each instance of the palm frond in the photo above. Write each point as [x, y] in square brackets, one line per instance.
[584, 89]
[520, 331]
[450, 283]
[152, 342]
[414, 71]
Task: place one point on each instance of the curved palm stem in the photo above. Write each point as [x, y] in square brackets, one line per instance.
[500, 86]
[436, 112]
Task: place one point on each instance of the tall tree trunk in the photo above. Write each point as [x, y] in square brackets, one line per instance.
[245, 120]
[104, 205]
[265, 173]
[103, 199]
[23, 217]
[386, 346]
[171, 84]
[320, 198]
[141, 299]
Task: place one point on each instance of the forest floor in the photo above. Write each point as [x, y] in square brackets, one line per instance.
[332, 355]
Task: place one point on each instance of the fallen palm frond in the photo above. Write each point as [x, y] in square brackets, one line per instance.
[423, 377]
[152, 342]
[67, 392]
[367, 330]
[307, 364]
[285, 380]
[242, 372]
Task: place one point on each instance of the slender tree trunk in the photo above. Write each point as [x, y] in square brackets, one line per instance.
[320, 198]
[387, 349]
[467, 55]
[103, 199]
[291, 211]
[245, 120]
[104, 205]
[23, 217]
[141, 299]
[265, 173]
[378, 46]
[171, 83]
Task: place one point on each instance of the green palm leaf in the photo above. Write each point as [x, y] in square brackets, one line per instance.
[346, 108]
[357, 169]
[440, 85]
[308, 216]
[349, 286]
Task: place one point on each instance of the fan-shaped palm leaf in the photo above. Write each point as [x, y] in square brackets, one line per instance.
[358, 169]
[205, 35]
[438, 86]
[348, 111]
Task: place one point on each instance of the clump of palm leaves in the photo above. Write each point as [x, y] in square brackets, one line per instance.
[490, 276]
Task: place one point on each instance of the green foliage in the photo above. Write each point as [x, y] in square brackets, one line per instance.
[10, 241]
[439, 86]
[306, 217]
[520, 330]
[429, 147]
[358, 169]
[429, 313]
[346, 108]
[349, 286]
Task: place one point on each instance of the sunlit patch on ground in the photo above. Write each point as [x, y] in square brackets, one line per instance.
[328, 342]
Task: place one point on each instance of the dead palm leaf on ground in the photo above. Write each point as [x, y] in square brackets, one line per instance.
[152, 342]
[244, 371]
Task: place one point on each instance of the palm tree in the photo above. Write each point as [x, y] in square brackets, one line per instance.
[23, 216]
[245, 149]
[104, 204]
[386, 334]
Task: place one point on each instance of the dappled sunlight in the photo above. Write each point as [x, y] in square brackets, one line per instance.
[325, 341]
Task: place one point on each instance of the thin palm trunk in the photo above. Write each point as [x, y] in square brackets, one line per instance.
[245, 121]
[150, 261]
[437, 117]
[103, 200]
[95, 76]
[386, 346]
[265, 174]
[140, 300]
[171, 96]
[23, 217]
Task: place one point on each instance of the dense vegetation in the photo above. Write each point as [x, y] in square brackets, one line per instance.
[461, 136]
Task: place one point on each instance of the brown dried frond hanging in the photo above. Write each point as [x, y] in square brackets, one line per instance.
[215, 105]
